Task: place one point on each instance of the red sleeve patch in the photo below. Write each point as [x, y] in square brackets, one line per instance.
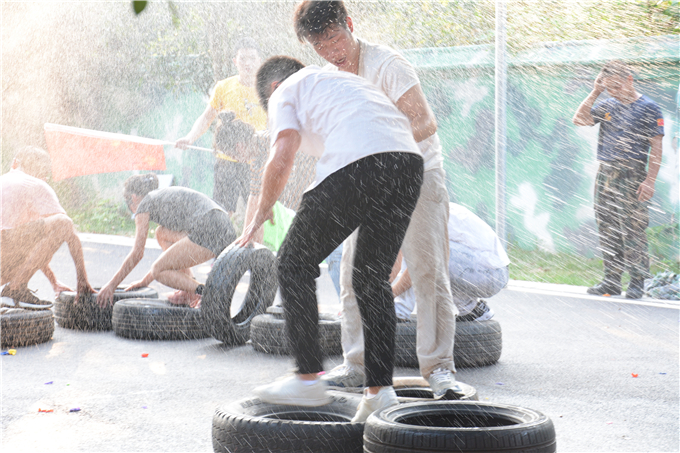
[659, 122]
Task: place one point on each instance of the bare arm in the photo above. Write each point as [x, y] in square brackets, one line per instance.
[414, 105]
[134, 257]
[276, 174]
[200, 126]
[57, 286]
[582, 117]
[646, 190]
[402, 283]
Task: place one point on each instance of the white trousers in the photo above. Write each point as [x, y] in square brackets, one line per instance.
[426, 251]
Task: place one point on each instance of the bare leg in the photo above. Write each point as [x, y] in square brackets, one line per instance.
[167, 238]
[169, 268]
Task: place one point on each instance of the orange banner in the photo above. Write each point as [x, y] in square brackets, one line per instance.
[78, 152]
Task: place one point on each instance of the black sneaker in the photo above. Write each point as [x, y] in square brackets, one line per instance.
[24, 298]
[481, 312]
[605, 287]
[635, 289]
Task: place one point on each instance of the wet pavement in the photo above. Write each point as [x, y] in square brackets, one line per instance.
[605, 370]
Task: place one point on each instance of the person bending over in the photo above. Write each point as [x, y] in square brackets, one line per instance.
[326, 26]
[368, 178]
[192, 229]
[34, 225]
[478, 267]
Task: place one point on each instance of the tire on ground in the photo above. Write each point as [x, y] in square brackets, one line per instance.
[87, 314]
[20, 327]
[411, 389]
[267, 333]
[458, 426]
[221, 284]
[156, 319]
[252, 426]
[477, 343]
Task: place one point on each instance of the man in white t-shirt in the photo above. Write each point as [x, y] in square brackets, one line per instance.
[34, 225]
[328, 28]
[478, 267]
[368, 177]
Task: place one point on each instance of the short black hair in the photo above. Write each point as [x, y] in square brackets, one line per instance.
[616, 68]
[313, 17]
[246, 43]
[140, 185]
[34, 161]
[275, 69]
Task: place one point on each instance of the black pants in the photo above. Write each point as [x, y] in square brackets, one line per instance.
[231, 179]
[377, 195]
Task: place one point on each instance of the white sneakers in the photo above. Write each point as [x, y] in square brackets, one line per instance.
[345, 377]
[442, 382]
[386, 397]
[295, 392]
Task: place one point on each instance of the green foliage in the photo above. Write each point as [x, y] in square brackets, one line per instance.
[138, 6]
[664, 241]
[104, 217]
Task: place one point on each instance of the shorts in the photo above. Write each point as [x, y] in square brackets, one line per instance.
[231, 180]
[17, 243]
[213, 231]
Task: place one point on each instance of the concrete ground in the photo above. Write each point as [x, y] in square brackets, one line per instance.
[605, 370]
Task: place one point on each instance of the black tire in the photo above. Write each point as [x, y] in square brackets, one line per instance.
[20, 327]
[251, 426]
[227, 271]
[477, 343]
[267, 334]
[414, 388]
[156, 319]
[458, 426]
[87, 314]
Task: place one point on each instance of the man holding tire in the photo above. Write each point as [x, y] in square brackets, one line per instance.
[368, 178]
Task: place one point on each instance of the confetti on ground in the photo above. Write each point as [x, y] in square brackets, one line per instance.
[662, 373]
[607, 295]
[499, 383]
[4, 353]
[45, 410]
[145, 355]
[634, 374]
[12, 352]
[48, 383]
[75, 409]
[610, 423]
[143, 407]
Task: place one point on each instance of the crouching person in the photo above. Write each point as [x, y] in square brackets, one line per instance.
[192, 229]
[478, 267]
[368, 177]
[34, 225]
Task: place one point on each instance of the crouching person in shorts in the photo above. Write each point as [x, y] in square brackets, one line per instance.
[368, 177]
[478, 267]
[34, 225]
[192, 229]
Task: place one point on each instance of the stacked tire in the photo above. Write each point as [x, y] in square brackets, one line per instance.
[477, 343]
[268, 335]
[19, 327]
[86, 314]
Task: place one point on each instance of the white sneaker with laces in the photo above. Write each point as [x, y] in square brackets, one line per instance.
[442, 382]
[295, 392]
[345, 377]
[386, 397]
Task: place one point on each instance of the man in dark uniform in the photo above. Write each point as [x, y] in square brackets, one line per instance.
[629, 151]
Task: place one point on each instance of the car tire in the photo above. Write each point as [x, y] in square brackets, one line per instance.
[227, 271]
[156, 319]
[268, 335]
[87, 314]
[447, 426]
[19, 327]
[252, 426]
[411, 389]
[477, 343]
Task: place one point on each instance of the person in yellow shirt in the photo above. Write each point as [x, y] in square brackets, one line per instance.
[235, 94]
